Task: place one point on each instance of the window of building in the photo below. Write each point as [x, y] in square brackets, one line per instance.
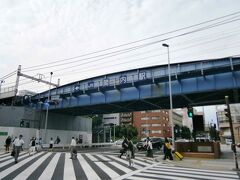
[156, 132]
[145, 118]
[164, 118]
[154, 125]
[155, 117]
[145, 125]
[164, 124]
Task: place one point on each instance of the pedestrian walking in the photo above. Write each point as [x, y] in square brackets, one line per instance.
[124, 146]
[73, 149]
[51, 144]
[149, 148]
[17, 147]
[167, 149]
[8, 143]
[130, 152]
[57, 141]
[32, 145]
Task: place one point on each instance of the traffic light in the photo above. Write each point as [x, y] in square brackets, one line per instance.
[190, 112]
[227, 113]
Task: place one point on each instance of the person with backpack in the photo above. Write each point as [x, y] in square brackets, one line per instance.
[8, 143]
[124, 147]
[167, 149]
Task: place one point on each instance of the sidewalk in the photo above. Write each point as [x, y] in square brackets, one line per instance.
[226, 162]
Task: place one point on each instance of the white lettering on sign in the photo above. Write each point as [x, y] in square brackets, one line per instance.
[142, 76]
[123, 80]
[105, 82]
[90, 85]
[77, 88]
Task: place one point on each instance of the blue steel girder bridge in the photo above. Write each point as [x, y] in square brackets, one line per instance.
[204, 82]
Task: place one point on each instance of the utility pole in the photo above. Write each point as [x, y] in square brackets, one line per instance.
[228, 114]
[16, 85]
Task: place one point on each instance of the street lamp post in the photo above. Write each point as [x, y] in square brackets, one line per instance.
[170, 93]
[46, 118]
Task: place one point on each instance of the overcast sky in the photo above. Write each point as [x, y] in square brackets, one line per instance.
[34, 33]
[38, 32]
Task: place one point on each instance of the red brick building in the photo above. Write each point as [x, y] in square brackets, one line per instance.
[152, 123]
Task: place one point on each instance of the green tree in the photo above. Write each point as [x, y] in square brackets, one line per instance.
[186, 133]
[128, 131]
[177, 131]
[96, 121]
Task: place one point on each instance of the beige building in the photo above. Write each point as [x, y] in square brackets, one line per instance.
[223, 122]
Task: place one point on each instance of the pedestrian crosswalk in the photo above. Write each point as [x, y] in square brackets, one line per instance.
[97, 166]
[161, 171]
[57, 165]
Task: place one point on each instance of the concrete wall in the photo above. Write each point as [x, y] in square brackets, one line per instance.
[64, 126]
[28, 133]
[11, 116]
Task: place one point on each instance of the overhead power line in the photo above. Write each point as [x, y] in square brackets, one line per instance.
[141, 40]
[140, 46]
[8, 75]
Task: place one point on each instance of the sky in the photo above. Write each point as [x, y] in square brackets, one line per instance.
[56, 36]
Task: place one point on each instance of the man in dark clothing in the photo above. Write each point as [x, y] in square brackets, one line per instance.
[57, 141]
[124, 147]
[167, 150]
[8, 143]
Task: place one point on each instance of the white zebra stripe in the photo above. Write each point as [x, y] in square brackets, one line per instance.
[119, 166]
[190, 173]
[12, 160]
[48, 172]
[91, 157]
[90, 173]
[123, 168]
[16, 166]
[107, 170]
[28, 171]
[124, 161]
[69, 173]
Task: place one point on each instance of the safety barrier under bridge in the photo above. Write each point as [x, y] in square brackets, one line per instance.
[204, 82]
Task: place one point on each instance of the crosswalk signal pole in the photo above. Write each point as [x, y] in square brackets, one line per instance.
[228, 114]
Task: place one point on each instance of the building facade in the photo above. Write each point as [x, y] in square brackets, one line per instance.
[126, 118]
[223, 122]
[155, 123]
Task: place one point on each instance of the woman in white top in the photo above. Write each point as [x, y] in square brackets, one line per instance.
[149, 147]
